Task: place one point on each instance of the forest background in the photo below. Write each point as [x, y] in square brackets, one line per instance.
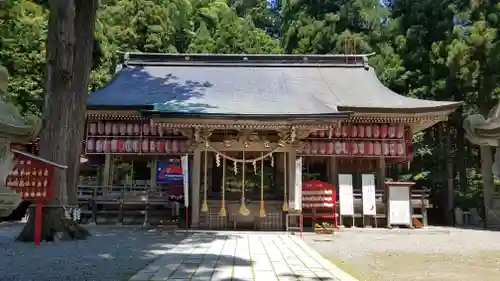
[430, 49]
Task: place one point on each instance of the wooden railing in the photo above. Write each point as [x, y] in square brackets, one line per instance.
[126, 204]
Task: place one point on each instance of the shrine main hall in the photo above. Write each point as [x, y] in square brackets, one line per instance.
[242, 122]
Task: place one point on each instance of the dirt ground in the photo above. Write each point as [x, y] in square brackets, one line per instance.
[437, 254]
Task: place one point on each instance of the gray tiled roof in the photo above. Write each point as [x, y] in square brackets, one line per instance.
[258, 85]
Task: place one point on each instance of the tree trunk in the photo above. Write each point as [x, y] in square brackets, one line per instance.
[450, 188]
[84, 31]
[57, 120]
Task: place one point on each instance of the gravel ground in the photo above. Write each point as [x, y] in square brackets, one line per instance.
[111, 254]
[439, 254]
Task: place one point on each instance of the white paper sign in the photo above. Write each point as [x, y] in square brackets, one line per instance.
[346, 196]
[368, 190]
[185, 178]
[399, 205]
[298, 184]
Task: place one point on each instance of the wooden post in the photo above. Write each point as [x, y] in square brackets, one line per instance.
[381, 185]
[106, 177]
[292, 155]
[195, 188]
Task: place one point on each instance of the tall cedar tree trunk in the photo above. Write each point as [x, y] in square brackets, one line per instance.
[84, 31]
[60, 112]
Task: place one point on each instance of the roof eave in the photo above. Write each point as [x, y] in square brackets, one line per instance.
[445, 108]
[260, 117]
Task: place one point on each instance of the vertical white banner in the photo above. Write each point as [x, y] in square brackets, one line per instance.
[368, 191]
[185, 178]
[298, 184]
[346, 196]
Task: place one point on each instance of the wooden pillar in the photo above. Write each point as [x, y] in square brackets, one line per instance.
[381, 186]
[195, 188]
[153, 167]
[107, 173]
[292, 155]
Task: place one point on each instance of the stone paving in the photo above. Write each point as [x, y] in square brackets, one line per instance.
[237, 256]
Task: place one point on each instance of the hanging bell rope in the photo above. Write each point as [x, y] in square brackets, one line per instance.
[204, 207]
[285, 195]
[262, 209]
[223, 212]
[243, 208]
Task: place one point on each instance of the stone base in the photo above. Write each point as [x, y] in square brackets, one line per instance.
[8, 203]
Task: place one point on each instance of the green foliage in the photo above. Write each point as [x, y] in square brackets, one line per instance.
[431, 49]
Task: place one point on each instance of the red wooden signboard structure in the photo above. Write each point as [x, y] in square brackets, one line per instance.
[320, 200]
[33, 177]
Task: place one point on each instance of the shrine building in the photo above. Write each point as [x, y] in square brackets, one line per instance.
[243, 121]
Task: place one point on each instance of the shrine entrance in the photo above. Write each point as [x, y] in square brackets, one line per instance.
[242, 184]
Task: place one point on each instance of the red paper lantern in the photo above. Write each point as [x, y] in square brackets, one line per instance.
[354, 148]
[100, 128]
[145, 129]
[385, 148]
[368, 130]
[322, 148]
[114, 129]
[383, 131]
[345, 131]
[376, 131]
[123, 128]
[392, 131]
[377, 148]
[175, 146]
[90, 145]
[160, 146]
[98, 146]
[152, 146]
[400, 131]
[130, 129]
[354, 131]
[129, 145]
[368, 148]
[107, 145]
[145, 145]
[137, 129]
[168, 146]
[114, 145]
[361, 130]
[361, 148]
[107, 128]
[401, 148]
[338, 131]
[92, 128]
[392, 149]
[338, 147]
[121, 146]
[136, 146]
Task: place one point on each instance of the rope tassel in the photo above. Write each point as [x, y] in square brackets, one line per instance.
[204, 207]
[223, 211]
[262, 209]
[243, 208]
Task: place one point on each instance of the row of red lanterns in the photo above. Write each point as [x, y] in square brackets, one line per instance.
[385, 148]
[118, 145]
[128, 129]
[363, 131]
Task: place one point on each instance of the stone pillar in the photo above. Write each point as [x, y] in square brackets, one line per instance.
[292, 155]
[195, 188]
